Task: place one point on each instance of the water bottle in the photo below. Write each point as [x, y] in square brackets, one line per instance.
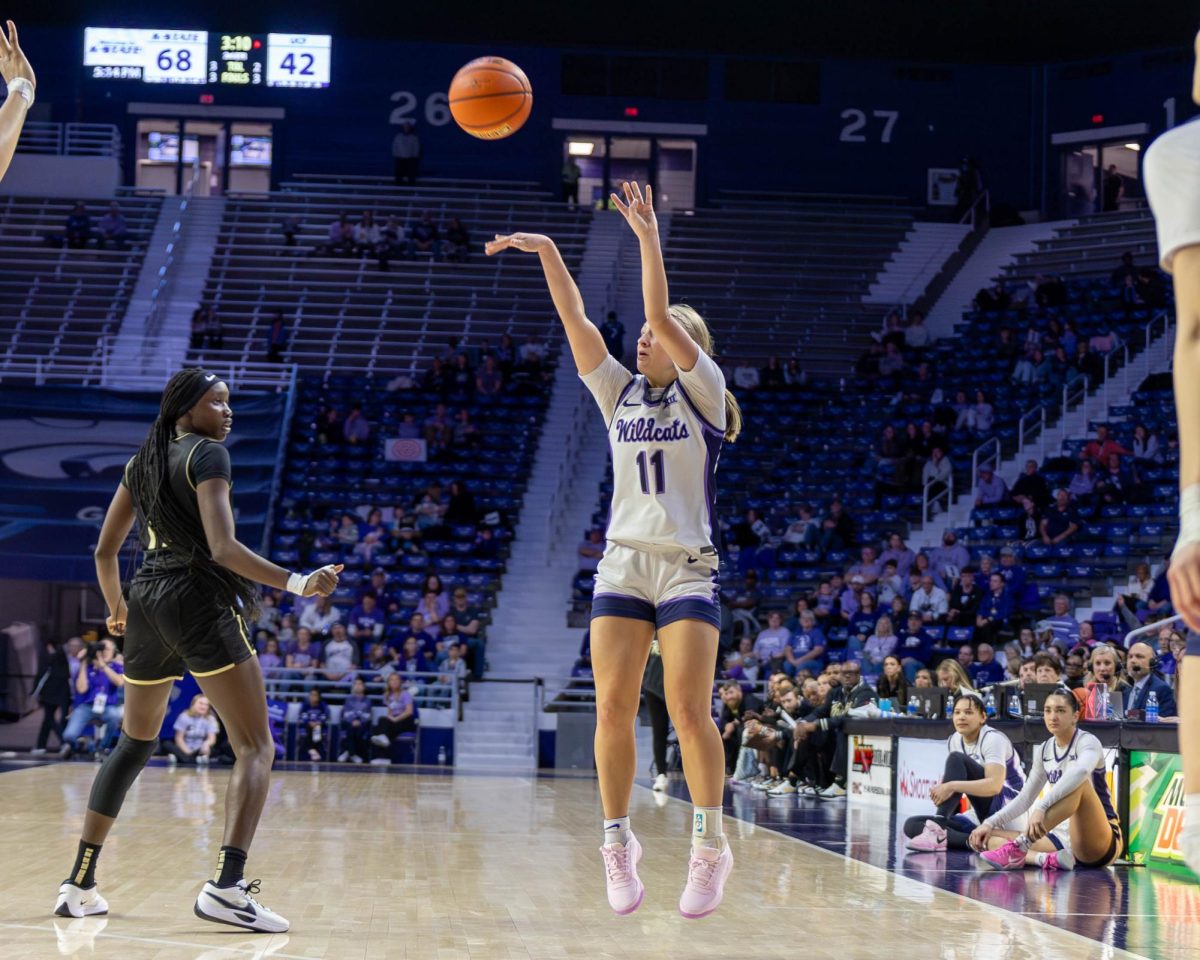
[949, 709]
[885, 705]
[914, 706]
[441, 756]
[1104, 708]
[1152, 708]
[1014, 706]
[990, 705]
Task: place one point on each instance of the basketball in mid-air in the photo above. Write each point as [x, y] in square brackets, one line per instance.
[490, 98]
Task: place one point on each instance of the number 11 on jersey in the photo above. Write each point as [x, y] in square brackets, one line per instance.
[660, 473]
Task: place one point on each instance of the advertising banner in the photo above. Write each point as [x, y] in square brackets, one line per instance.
[919, 765]
[869, 776]
[1156, 809]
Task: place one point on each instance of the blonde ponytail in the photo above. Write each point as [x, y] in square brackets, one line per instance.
[697, 329]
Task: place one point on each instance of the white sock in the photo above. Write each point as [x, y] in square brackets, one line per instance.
[616, 830]
[706, 827]
[1022, 843]
[1041, 858]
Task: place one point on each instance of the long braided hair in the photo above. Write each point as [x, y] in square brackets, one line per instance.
[177, 528]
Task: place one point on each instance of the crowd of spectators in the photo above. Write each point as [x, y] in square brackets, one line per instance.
[390, 240]
[79, 229]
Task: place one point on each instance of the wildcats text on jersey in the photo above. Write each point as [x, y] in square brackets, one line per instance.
[647, 430]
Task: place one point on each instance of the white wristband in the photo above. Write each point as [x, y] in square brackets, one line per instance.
[1189, 515]
[21, 87]
[296, 583]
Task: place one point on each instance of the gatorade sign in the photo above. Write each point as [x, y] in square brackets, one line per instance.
[1156, 809]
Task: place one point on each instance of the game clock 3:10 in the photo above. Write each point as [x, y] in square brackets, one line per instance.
[238, 60]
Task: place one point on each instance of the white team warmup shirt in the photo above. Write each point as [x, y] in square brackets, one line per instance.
[665, 445]
[1171, 173]
[992, 746]
[1063, 770]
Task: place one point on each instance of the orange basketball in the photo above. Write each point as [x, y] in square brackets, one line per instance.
[490, 98]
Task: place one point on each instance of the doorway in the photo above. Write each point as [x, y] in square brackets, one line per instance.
[1100, 169]
[604, 160]
[232, 155]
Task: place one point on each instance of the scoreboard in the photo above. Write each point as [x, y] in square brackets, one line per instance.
[297, 60]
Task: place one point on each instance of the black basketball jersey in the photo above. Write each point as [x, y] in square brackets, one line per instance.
[192, 459]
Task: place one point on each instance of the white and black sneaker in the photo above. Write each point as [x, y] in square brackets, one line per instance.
[237, 907]
[74, 901]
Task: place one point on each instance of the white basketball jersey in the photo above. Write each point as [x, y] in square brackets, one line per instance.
[665, 445]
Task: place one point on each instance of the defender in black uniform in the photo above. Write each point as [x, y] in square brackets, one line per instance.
[186, 609]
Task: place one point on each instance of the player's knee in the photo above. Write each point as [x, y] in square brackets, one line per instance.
[254, 749]
[615, 712]
[692, 720]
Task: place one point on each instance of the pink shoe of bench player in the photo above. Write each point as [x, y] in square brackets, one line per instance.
[931, 840]
[625, 890]
[1007, 857]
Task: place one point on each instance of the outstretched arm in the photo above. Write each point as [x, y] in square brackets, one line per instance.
[13, 64]
[638, 211]
[587, 345]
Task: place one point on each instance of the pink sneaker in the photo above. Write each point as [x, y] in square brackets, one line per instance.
[625, 890]
[1059, 860]
[931, 840]
[1007, 857]
[707, 871]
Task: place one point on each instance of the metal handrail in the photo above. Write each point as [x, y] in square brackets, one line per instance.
[986, 198]
[310, 677]
[928, 500]
[99, 371]
[980, 458]
[1150, 628]
[70, 139]
[166, 279]
[1037, 428]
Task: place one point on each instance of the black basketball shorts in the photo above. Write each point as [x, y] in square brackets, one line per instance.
[174, 625]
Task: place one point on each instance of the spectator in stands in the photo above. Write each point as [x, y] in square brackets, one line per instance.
[469, 622]
[866, 367]
[891, 365]
[916, 645]
[837, 528]
[917, 335]
[1061, 522]
[986, 670]
[990, 491]
[1126, 269]
[826, 603]
[1099, 449]
[366, 621]
[1112, 190]
[112, 228]
[590, 551]
[1085, 364]
[793, 376]
[995, 298]
[314, 725]
[882, 643]
[1145, 446]
[369, 240]
[995, 610]
[398, 720]
[197, 333]
[304, 659]
[1029, 524]
[1151, 291]
[967, 189]
[460, 380]
[770, 644]
[930, 601]
[276, 338]
[489, 381]
[357, 429]
[394, 240]
[891, 457]
[1104, 340]
[965, 597]
[804, 531]
[356, 724]
[983, 416]
[435, 587]
[806, 648]
[936, 477]
[214, 332]
[771, 376]
[571, 172]
[614, 335]
[861, 611]
[426, 236]
[922, 566]
[1083, 484]
[319, 617]
[898, 551]
[79, 226]
[339, 239]
[329, 426]
[406, 155]
[1012, 572]
[868, 569]
[290, 228]
[457, 246]
[1031, 485]
[891, 586]
[1006, 347]
[1137, 592]
[1064, 626]
[743, 604]
[1117, 483]
[745, 375]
